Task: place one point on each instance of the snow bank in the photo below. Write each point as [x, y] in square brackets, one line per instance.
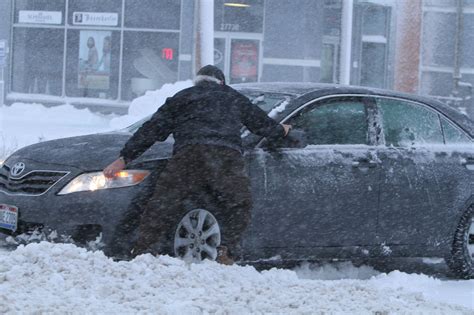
[24, 124]
[148, 104]
[456, 292]
[335, 271]
[62, 278]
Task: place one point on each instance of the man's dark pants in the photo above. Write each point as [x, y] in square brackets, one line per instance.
[196, 174]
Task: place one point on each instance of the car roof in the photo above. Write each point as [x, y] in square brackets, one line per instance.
[308, 90]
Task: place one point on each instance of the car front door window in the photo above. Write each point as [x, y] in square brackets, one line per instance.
[336, 122]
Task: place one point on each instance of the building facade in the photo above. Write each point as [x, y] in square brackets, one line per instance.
[102, 54]
[95, 52]
[447, 52]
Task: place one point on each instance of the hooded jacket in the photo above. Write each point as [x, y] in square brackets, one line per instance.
[208, 113]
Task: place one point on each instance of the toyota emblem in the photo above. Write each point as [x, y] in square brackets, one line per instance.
[17, 169]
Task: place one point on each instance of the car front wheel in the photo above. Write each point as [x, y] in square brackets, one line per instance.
[197, 236]
[461, 261]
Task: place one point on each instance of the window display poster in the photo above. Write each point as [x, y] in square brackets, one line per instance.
[244, 61]
[94, 59]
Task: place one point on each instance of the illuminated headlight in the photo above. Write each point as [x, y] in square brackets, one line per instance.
[97, 180]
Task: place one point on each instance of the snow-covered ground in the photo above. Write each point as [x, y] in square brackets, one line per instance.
[61, 278]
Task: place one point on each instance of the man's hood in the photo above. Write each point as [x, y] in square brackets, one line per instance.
[91, 152]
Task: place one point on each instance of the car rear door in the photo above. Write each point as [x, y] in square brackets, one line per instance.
[423, 181]
[324, 194]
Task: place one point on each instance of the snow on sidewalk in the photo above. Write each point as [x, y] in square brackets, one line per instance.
[24, 124]
[62, 278]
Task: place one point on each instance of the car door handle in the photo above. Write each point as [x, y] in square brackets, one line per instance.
[468, 163]
[364, 163]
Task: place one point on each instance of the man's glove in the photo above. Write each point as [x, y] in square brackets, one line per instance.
[115, 167]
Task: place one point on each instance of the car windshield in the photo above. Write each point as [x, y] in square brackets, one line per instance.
[266, 101]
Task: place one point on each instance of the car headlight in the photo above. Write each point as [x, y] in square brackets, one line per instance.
[97, 180]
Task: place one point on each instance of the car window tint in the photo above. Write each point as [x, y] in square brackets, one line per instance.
[408, 124]
[452, 134]
[338, 122]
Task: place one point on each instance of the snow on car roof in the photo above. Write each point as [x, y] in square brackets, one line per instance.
[296, 88]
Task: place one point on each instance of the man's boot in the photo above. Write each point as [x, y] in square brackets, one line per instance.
[223, 256]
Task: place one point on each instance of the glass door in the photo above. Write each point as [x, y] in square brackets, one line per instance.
[238, 57]
[330, 60]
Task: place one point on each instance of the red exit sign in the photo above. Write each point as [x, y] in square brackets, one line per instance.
[167, 53]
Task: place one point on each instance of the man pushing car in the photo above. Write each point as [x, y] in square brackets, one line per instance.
[205, 121]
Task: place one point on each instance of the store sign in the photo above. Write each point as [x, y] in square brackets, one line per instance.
[40, 17]
[229, 27]
[95, 18]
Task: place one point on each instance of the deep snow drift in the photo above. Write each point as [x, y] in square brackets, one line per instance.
[62, 278]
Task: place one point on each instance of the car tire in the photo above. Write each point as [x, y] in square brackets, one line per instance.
[197, 236]
[461, 261]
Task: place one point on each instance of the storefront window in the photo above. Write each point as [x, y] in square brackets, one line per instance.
[92, 63]
[93, 12]
[374, 20]
[150, 59]
[37, 60]
[89, 62]
[440, 3]
[153, 14]
[238, 16]
[436, 25]
[436, 83]
[332, 17]
[39, 12]
[373, 65]
[328, 63]
[467, 40]
[244, 61]
[219, 53]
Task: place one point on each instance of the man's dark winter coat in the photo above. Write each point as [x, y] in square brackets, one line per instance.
[207, 113]
[206, 122]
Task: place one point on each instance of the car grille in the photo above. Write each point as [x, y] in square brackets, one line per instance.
[33, 183]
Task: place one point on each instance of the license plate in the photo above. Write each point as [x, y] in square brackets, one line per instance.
[8, 217]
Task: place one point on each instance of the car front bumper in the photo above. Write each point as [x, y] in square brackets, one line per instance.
[83, 216]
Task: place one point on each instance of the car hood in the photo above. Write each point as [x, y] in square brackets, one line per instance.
[91, 152]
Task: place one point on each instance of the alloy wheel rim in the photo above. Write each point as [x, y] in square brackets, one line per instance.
[197, 236]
